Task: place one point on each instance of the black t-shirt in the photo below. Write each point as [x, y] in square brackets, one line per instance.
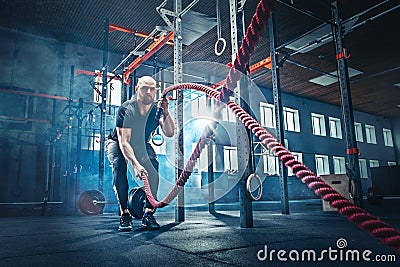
[142, 127]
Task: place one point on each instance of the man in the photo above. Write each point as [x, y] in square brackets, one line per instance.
[129, 143]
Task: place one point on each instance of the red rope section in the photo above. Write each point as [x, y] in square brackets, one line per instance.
[377, 228]
[253, 33]
[201, 143]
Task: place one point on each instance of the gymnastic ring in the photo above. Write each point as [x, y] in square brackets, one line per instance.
[216, 46]
[157, 139]
[248, 186]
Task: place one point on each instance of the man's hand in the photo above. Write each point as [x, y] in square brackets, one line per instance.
[139, 170]
[163, 103]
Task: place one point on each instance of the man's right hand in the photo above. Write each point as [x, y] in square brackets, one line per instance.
[139, 170]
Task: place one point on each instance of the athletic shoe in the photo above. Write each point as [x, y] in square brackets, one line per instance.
[149, 222]
[125, 223]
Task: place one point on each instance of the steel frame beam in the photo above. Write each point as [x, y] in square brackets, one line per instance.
[115, 27]
[352, 166]
[152, 49]
[103, 105]
[278, 112]
[244, 153]
[178, 78]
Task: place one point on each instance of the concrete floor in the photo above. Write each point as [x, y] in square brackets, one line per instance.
[204, 239]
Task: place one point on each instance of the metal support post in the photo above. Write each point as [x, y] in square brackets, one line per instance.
[210, 171]
[103, 105]
[278, 113]
[352, 165]
[178, 78]
[243, 136]
[79, 115]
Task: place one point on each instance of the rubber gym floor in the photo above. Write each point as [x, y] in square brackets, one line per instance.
[306, 237]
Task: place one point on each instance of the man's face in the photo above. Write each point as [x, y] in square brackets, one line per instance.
[146, 92]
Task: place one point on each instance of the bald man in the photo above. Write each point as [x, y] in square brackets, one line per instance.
[129, 143]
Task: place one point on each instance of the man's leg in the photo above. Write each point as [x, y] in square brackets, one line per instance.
[120, 183]
[148, 220]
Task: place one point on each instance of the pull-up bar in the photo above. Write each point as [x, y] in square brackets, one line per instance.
[153, 48]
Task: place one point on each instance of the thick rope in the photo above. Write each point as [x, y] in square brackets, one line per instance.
[377, 228]
[253, 33]
[201, 143]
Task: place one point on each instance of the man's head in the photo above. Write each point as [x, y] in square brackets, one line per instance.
[146, 90]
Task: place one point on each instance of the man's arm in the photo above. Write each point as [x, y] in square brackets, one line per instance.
[166, 122]
[124, 137]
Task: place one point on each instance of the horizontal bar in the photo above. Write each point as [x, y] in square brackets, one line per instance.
[29, 203]
[152, 49]
[311, 68]
[115, 27]
[23, 119]
[306, 12]
[135, 50]
[266, 62]
[10, 91]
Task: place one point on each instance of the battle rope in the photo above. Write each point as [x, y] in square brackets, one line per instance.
[253, 33]
[377, 228]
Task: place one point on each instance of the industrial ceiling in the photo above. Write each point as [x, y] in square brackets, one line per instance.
[371, 38]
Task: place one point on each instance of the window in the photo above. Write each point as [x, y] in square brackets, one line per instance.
[291, 119]
[298, 157]
[228, 115]
[271, 164]
[363, 168]
[373, 163]
[202, 162]
[370, 134]
[392, 163]
[339, 165]
[94, 142]
[321, 164]
[358, 131]
[318, 124]
[387, 137]
[335, 128]
[267, 112]
[113, 90]
[198, 104]
[230, 158]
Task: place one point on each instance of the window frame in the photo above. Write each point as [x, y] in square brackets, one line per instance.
[387, 137]
[362, 163]
[338, 127]
[342, 165]
[325, 161]
[370, 134]
[358, 132]
[321, 124]
[271, 122]
[295, 121]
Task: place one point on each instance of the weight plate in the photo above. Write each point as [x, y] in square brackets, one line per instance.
[86, 205]
[136, 201]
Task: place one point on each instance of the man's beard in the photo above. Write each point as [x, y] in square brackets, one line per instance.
[146, 100]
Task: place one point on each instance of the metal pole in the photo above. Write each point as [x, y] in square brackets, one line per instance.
[278, 113]
[210, 172]
[178, 78]
[352, 165]
[78, 147]
[103, 105]
[243, 136]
